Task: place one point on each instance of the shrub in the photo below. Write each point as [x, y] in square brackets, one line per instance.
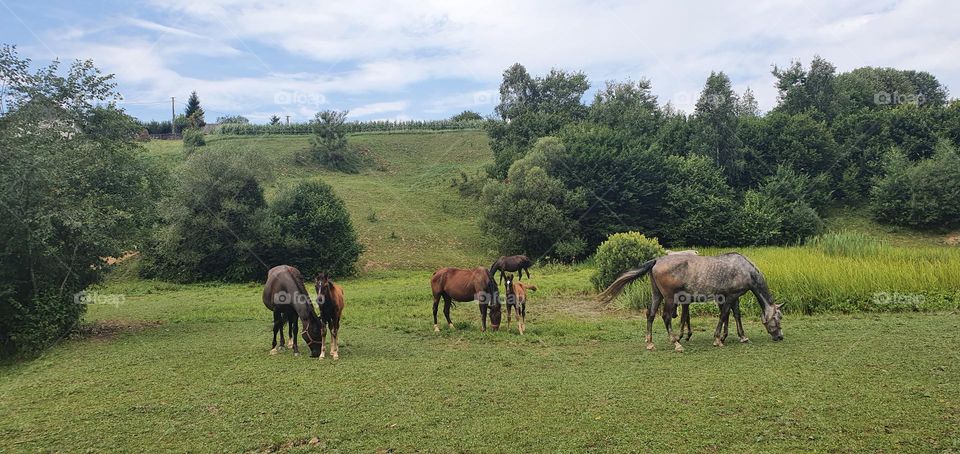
[309, 227]
[925, 194]
[534, 213]
[329, 143]
[621, 252]
[211, 224]
[192, 139]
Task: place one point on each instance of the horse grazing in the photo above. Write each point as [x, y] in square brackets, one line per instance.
[512, 263]
[286, 296]
[330, 298]
[517, 301]
[462, 284]
[686, 277]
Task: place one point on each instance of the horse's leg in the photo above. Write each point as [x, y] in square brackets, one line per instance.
[685, 321]
[736, 315]
[724, 315]
[436, 305]
[522, 316]
[446, 310]
[294, 330]
[483, 317]
[277, 327]
[655, 299]
[669, 309]
[323, 340]
[292, 342]
[528, 272]
[334, 334]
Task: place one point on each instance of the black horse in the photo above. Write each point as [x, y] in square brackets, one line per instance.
[512, 263]
[285, 295]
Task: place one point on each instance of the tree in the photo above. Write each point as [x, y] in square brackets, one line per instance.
[531, 109]
[715, 126]
[699, 206]
[274, 120]
[193, 112]
[210, 225]
[922, 194]
[747, 105]
[329, 142]
[234, 119]
[76, 188]
[309, 227]
[628, 108]
[466, 115]
[534, 213]
[815, 90]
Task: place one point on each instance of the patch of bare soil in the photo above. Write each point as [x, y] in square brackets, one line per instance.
[953, 239]
[288, 445]
[583, 306]
[108, 329]
[115, 260]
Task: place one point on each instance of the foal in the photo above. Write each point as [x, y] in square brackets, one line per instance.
[330, 298]
[517, 300]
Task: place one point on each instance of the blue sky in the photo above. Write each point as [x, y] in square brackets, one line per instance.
[432, 59]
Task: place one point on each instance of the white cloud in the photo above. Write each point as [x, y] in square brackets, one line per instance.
[378, 108]
[383, 50]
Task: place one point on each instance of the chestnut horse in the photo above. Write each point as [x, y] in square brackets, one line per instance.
[285, 295]
[330, 299]
[512, 263]
[462, 285]
[517, 300]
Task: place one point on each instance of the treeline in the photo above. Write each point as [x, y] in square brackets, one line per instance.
[350, 127]
[567, 174]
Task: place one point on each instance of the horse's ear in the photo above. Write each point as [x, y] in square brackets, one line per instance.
[317, 277]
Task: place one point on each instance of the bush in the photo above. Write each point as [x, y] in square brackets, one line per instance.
[622, 252]
[534, 213]
[925, 194]
[192, 139]
[211, 224]
[309, 227]
[329, 143]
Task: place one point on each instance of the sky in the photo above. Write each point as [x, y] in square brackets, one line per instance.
[432, 59]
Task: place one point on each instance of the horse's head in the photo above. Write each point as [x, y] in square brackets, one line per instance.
[493, 305]
[313, 335]
[508, 279]
[770, 317]
[322, 284]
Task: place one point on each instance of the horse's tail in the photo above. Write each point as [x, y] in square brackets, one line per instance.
[627, 277]
[532, 288]
[493, 268]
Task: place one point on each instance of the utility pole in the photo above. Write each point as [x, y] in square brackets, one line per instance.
[288, 120]
[173, 116]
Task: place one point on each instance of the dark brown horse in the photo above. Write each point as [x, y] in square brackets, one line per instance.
[682, 278]
[517, 301]
[514, 264]
[462, 284]
[285, 295]
[330, 299]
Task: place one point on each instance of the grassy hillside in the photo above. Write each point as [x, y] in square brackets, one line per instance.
[406, 213]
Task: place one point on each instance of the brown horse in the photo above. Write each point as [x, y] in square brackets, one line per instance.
[330, 299]
[461, 284]
[512, 263]
[683, 278]
[517, 300]
[285, 295]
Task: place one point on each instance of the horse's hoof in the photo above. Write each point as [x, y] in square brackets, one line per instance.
[274, 351]
[296, 354]
[717, 343]
[436, 328]
[651, 347]
[335, 356]
[323, 355]
[678, 348]
[290, 344]
[744, 340]
[450, 325]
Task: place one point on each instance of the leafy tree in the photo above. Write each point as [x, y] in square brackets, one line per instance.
[329, 143]
[211, 223]
[466, 115]
[309, 227]
[76, 188]
[534, 213]
[629, 109]
[797, 141]
[925, 194]
[699, 206]
[813, 91]
[715, 126]
[747, 105]
[882, 88]
[274, 120]
[531, 109]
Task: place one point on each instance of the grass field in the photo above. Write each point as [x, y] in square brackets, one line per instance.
[186, 367]
[190, 370]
